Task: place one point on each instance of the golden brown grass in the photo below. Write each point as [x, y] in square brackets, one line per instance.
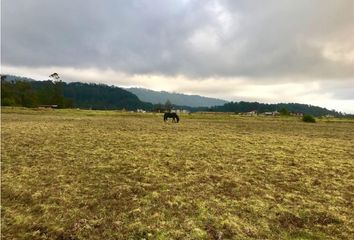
[75, 174]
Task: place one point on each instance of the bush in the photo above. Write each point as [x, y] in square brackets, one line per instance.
[8, 102]
[308, 118]
[284, 112]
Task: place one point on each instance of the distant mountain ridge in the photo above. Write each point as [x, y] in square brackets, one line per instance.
[180, 99]
[18, 78]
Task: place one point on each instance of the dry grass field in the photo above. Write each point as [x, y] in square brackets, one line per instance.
[75, 174]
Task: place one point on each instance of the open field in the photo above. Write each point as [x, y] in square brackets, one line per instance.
[75, 174]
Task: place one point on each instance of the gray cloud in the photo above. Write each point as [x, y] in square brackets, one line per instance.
[273, 51]
[193, 38]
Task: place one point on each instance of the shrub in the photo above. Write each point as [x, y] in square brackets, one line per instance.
[8, 102]
[284, 112]
[308, 118]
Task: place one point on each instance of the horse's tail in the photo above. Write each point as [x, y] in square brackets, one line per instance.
[177, 118]
[165, 117]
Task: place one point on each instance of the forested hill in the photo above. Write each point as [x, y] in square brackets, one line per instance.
[100, 96]
[263, 107]
[180, 99]
[31, 93]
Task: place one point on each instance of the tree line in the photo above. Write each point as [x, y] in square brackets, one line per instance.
[28, 93]
[284, 108]
[22, 93]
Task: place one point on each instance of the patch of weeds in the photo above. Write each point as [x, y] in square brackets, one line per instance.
[320, 218]
[289, 220]
[308, 118]
[303, 235]
[219, 230]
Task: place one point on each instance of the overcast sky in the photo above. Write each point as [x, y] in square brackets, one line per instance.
[267, 51]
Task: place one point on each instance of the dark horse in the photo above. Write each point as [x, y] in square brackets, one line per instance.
[174, 117]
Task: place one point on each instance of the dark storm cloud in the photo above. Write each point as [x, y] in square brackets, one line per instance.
[256, 39]
[132, 36]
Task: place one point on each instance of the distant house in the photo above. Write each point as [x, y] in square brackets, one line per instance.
[274, 113]
[251, 113]
[140, 111]
[178, 111]
[48, 106]
[297, 114]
